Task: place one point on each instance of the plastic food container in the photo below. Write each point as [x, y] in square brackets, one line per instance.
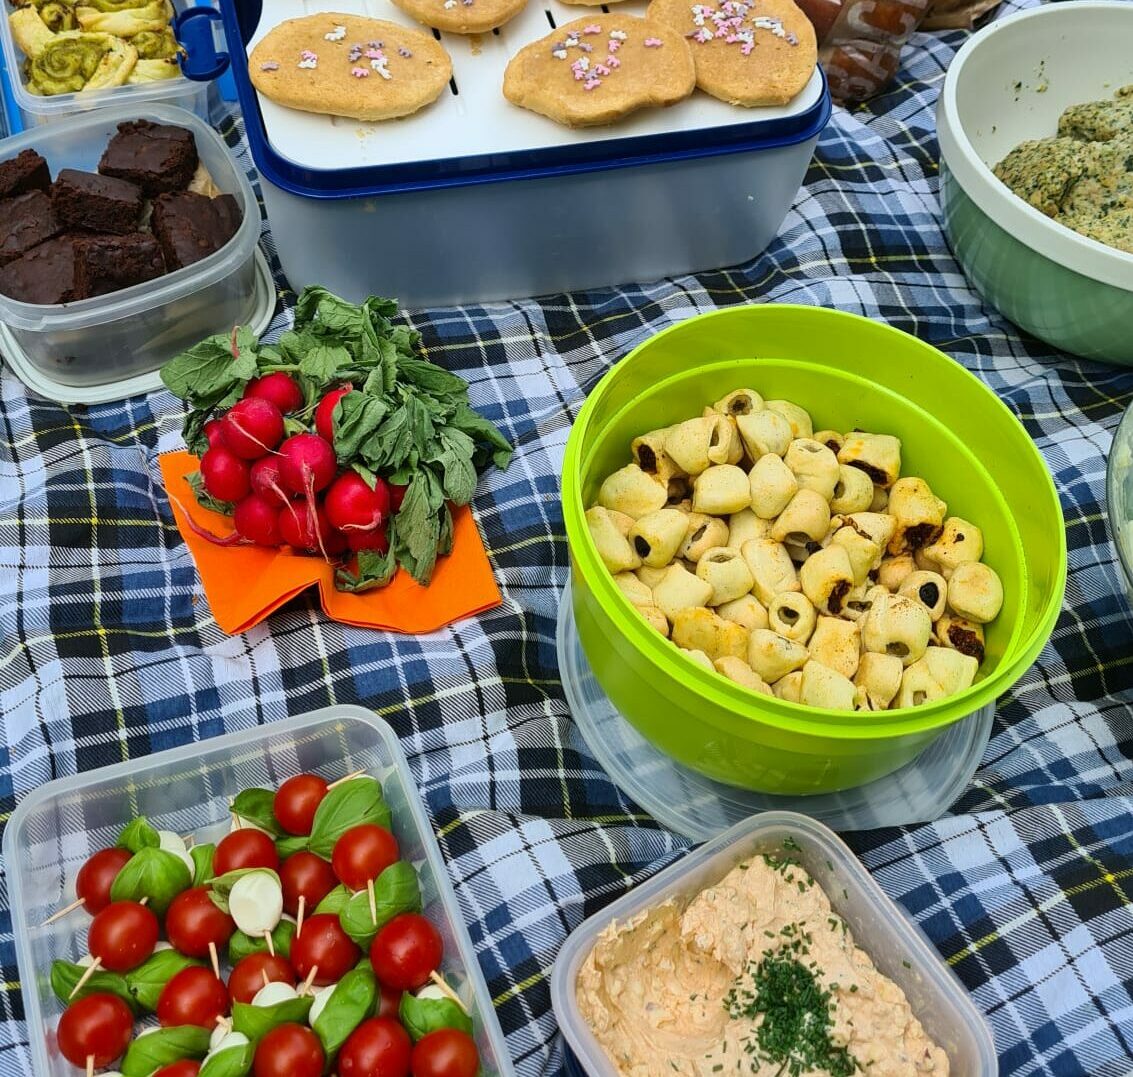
[848, 372]
[115, 337]
[1119, 496]
[34, 110]
[1008, 84]
[474, 199]
[896, 945]
[55, 827]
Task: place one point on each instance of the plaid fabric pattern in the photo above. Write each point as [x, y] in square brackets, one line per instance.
[108, 651]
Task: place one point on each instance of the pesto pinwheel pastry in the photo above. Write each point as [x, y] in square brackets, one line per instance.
[721, 490]
[739, 402]
[878, 455]
[631, 491]
[154, 71]
[697, 444]
[975, 592]
[57, 15]
[827, 578]
[773, 656]
[853, 490]
[898, 626]
[126, 22]
[836, 644]
[797, 418]
[814, 466]
[772, 484]
[805, 519]
[928, 588]
[878, 681]
[704, 533]
[657, 536]
[764, 432]
[959, 543]
[736, 669]
[727, 572]
[789, 688]
[29, 31]
[918, 515]
[822, 686]
[115, 5]
[746, 610]
[772, 570]
[697, 628]
[792, 614]
[613, 547]
[74, 61]
[680, 590]
[745, 525]
[157, 45]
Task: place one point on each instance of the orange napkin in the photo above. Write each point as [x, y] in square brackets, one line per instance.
[244, 584]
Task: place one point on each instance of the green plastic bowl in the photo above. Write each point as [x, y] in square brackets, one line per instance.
[848, 372]
[1010, 83]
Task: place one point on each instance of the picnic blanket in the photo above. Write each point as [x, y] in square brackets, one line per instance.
[109, 651]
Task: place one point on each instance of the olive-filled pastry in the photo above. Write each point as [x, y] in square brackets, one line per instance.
[797, 563]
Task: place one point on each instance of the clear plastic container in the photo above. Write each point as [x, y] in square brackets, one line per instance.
[188, 789]
[1119, 496]
[132, 331]
[35, 110]
[896, 945]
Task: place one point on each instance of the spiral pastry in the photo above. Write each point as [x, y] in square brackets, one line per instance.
[73, 61]
[156, 44]
[147, 18]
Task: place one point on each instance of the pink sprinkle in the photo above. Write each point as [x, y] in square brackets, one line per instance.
[613, 44]
[601, 69]
[586, 46]
[653, 42]
[746, 48]
[375, 54]
[578, 75]
[591, 84]
[613, 61]
[360, 72]
[307, 54]
[703, 34]
[593, 28]
[731, 39]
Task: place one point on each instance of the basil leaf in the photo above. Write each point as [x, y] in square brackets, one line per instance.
[350, 804]
[350, 1003]
[420, 1016]
[138, 835]
[290, 845]
[148, 980]
[241, 945]
[257, 1021]
[202, 856]
[231, 1062]
[396, 891]
[222, 885]
[153, 873]
[335, 901]
[65, 974]
[258, 806]
[156, 1049]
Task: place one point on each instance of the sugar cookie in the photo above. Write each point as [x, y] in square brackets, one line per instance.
[347, 65]
[600, 68]
[462, 16]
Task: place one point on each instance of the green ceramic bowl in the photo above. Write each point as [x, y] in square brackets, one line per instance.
[1010, 83]
[848, 372]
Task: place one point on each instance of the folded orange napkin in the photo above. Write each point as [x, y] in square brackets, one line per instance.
[244, 584]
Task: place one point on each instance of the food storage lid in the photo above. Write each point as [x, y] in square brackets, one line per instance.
[699, 808]
[473, 134]
[897, 946]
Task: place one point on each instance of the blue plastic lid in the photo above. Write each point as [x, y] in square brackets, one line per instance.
[201, 61]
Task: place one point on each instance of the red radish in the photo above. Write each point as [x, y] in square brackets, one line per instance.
[324, 413]
[396, 496]
[368, 540]
[225, 475]
[297, 529]
[352, 506]
[214, 432]
[335, 542]
[280, 389]
[307, 464]
[253, 427]
[266, 481]
[257, 518]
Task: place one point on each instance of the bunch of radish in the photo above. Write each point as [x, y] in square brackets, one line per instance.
[306, 900]
[288, 490]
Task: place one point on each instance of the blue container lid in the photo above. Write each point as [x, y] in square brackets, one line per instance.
[242, 18]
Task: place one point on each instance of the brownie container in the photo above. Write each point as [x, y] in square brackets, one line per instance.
[114, 338]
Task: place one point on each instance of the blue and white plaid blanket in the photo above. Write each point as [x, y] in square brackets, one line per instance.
[108, 650]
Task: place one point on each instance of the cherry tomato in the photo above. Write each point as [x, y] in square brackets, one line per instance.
[296, 801]
[305, 875]
[185, 1068]
[362, 854]
[447, 1052]
[123, 935]
[97, 875]
[389, 1002]
[99, 1027]
[322, 942]
[289, 1051]
[245, 848]
[193, 921]
[248, 975]
[379, 1047]
[405, 951]
[193, 997]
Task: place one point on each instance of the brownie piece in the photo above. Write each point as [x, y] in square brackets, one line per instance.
[157, 156]
[46, 274]
[26, 221]
[105, 264]
[191, 227]
[93, 203]
[25, 172]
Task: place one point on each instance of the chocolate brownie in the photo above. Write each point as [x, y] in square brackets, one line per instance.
[46, 274]
[93, 203]
[107, 263]
[156, 156]
[26, 221]
[191, 227]
[25, 172]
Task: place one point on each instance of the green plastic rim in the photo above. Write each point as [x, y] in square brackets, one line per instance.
[766, 333]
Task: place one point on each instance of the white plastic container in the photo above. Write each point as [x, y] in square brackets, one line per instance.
[188, 789]
[474, 199]
[119, 336]
[896, 945]
[35, 110]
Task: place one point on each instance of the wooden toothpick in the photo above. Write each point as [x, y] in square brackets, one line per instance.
[91, 969]
[442, 983]
[270, 942]
[299, 913]
[373, 901]
[309, 981]
[214, 959]
[62, 912]
[348, 778]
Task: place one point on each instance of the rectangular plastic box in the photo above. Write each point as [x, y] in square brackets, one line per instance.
[188, 789]
[34, 110]
[118, 336]
[896, 945]
[474, 199]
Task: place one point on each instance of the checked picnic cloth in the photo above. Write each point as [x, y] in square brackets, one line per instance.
[109, 652]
